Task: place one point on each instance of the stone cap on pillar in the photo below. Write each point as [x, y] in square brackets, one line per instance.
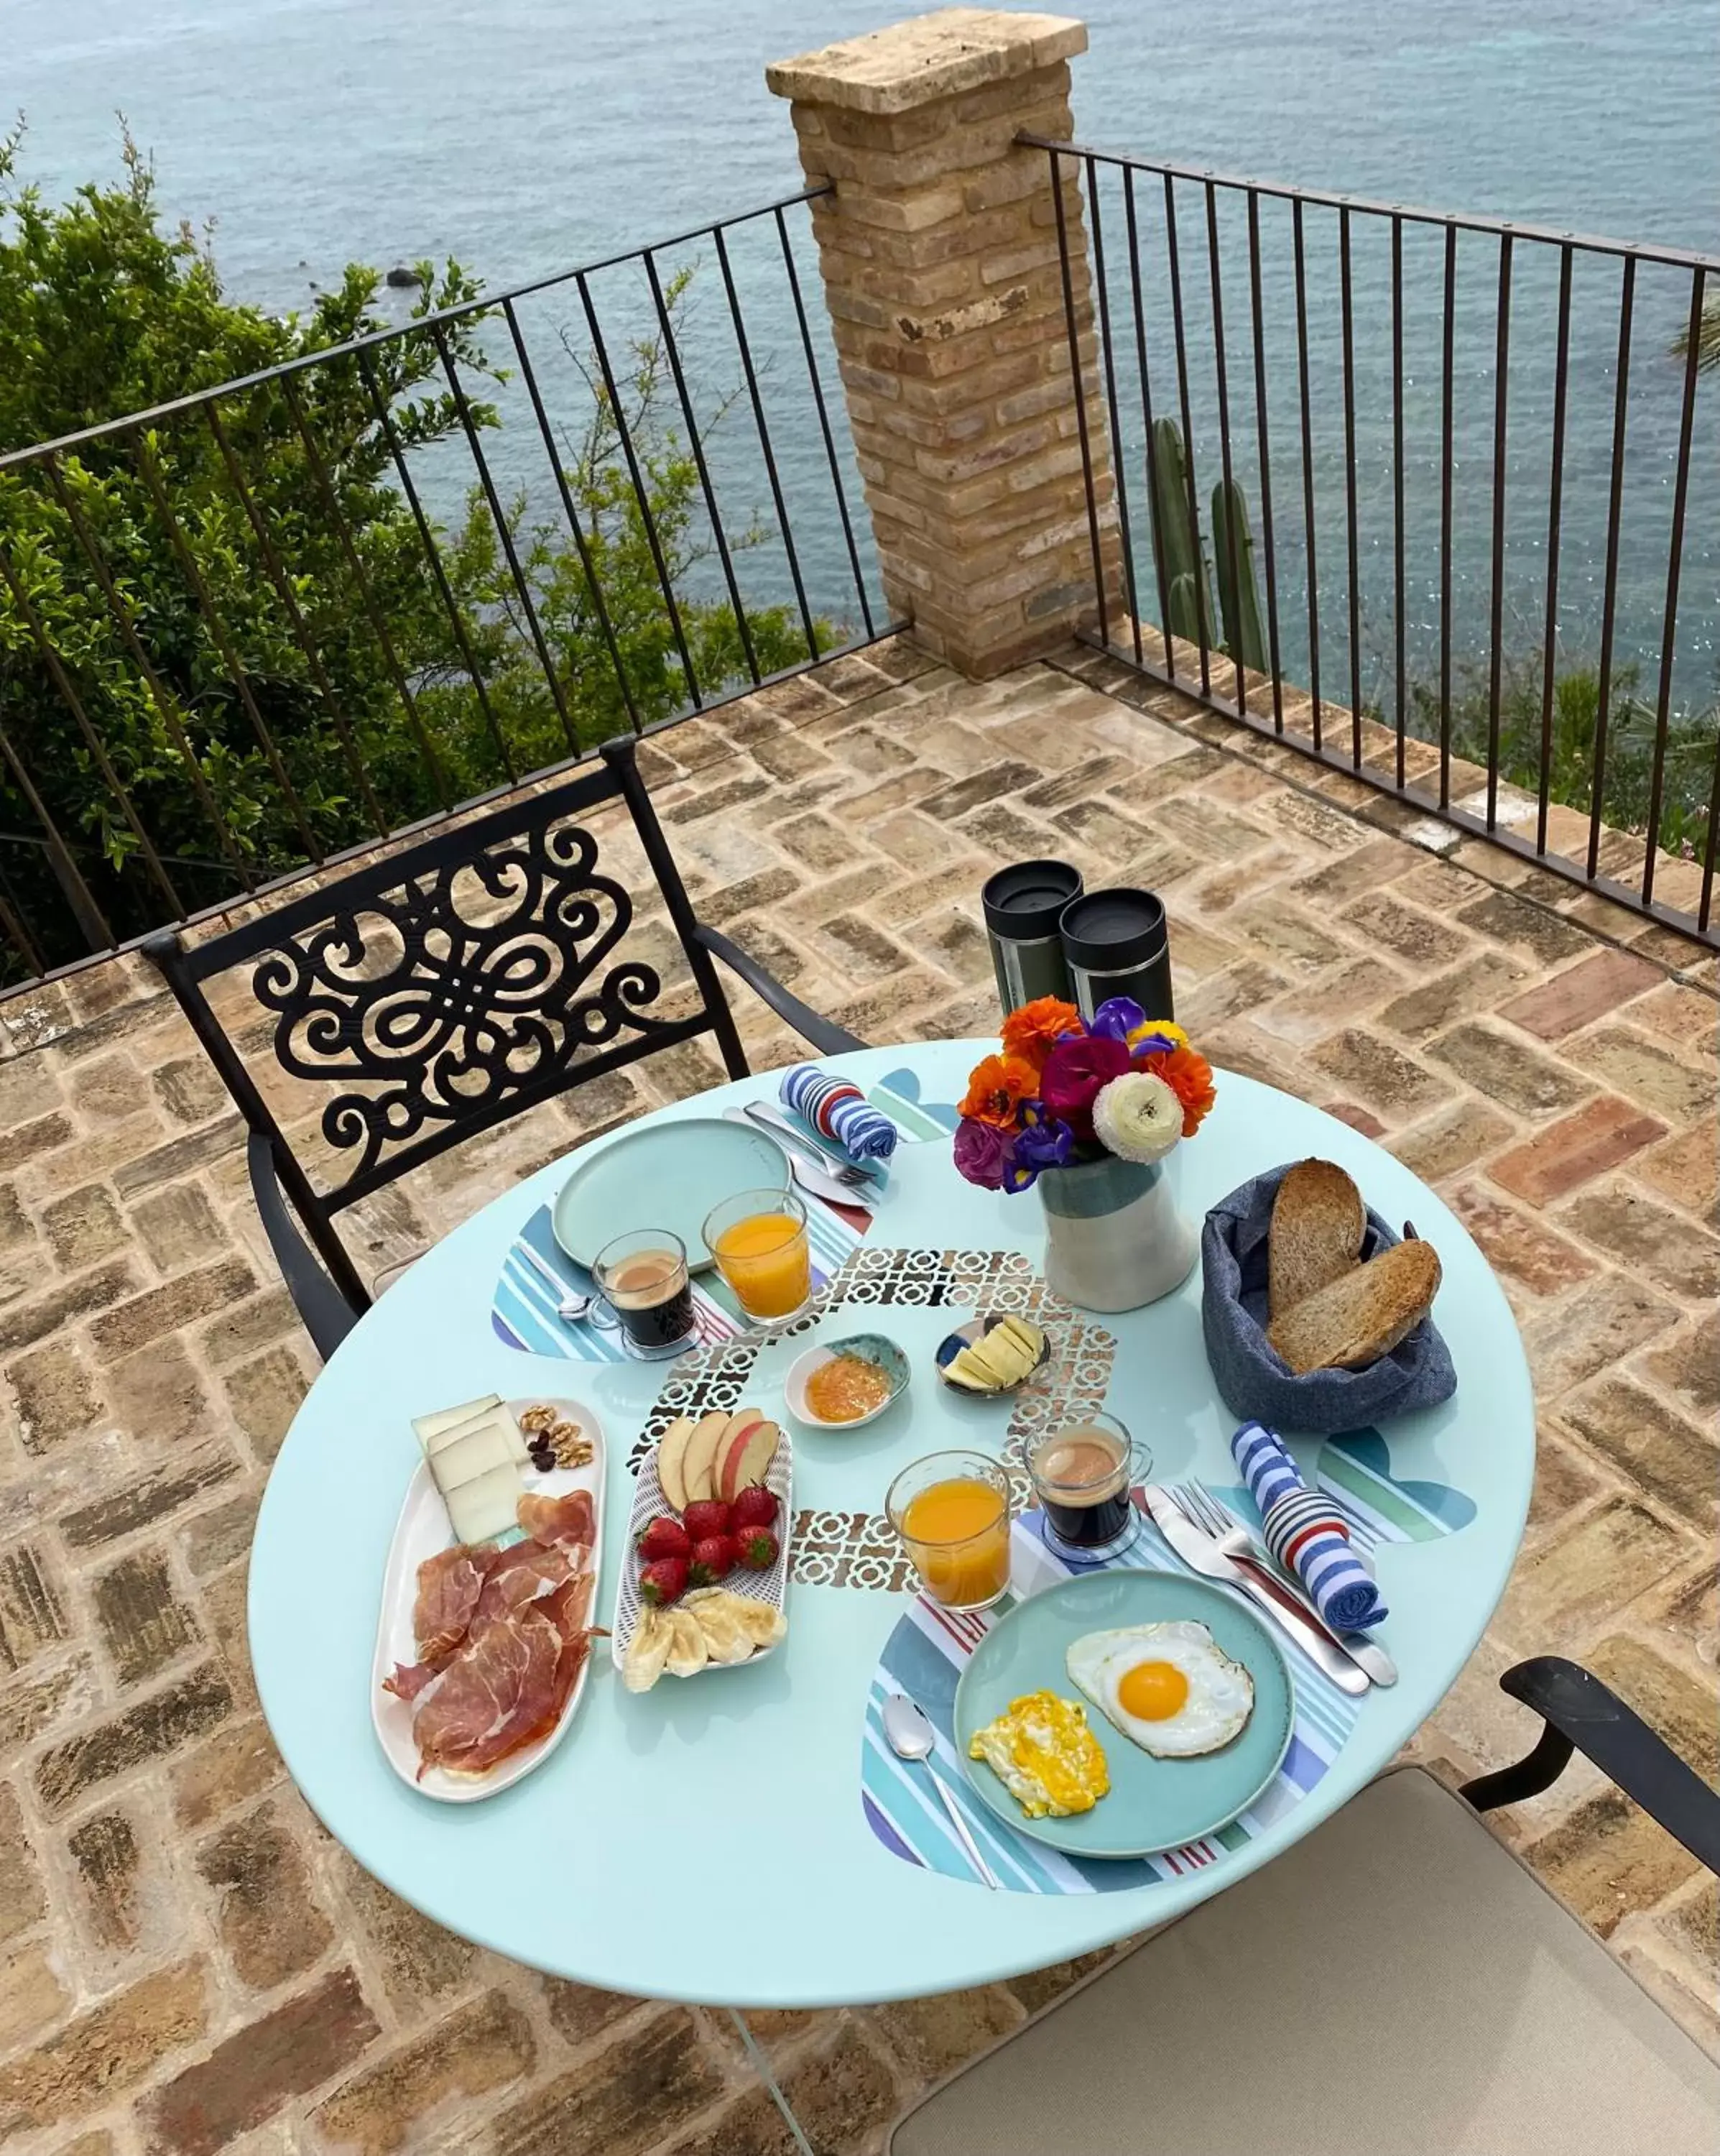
[931, 56]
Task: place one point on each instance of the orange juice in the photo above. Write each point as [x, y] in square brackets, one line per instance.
[765, 1259]
[957, 1534]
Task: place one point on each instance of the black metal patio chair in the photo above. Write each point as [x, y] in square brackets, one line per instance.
[1398, 1982]
[444, 990]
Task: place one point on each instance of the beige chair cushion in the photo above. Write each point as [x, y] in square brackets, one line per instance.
[1398, 1984]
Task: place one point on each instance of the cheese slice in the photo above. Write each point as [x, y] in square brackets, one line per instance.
[496, 1419]
[481, 1510]
[431, 1426]
[468, 1457]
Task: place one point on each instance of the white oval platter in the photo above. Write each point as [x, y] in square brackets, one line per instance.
[421, 1531]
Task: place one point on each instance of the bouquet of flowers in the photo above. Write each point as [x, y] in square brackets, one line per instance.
[1065, 1089]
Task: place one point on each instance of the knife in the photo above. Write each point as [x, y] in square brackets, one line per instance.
[804, 1166]
[1197, 1549]
[773, 1120]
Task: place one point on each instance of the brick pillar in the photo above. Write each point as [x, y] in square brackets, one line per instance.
[942, 274]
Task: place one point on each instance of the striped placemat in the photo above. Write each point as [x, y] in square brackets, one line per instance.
[538, 1274]
[928, 1647]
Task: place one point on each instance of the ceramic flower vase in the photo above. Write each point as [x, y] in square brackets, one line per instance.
[1114, 1236]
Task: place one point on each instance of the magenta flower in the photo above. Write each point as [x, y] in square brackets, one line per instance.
[982, 1152]
[1074, 1072]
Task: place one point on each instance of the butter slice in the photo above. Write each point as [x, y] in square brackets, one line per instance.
[488, 1506]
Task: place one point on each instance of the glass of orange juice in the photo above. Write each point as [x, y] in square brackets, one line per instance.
[951, 1510]
[759, 1240]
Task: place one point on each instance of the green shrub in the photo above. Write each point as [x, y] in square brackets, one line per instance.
[103, 312]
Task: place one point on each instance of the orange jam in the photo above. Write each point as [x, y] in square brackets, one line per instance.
[846, 1388]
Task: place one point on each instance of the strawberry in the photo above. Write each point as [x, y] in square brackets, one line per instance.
[756, 1549]
[755, 1508]
[713, 1558]
[664, 1537]
[707, 1516]
[663, 1582]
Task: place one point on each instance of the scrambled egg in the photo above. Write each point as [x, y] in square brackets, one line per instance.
[1045, 1755]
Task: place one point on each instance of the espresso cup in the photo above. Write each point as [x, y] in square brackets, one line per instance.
[642, 1278]
[1082, 1475]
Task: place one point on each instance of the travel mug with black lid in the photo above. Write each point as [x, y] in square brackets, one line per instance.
[1022, 904]
[1118, 943]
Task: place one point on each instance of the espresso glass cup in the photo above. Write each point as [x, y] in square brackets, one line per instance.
[1082, 1475]
[647, 1293]
[951, 1512]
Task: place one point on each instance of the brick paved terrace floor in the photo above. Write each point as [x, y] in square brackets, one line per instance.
[190, 1965]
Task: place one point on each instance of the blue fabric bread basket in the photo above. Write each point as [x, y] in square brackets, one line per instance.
[1253, 1380]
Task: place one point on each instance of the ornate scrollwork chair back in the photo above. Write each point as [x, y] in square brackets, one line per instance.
[432, 994]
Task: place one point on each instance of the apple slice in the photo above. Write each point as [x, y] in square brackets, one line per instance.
[745, 1458]
[671, 1462]
[739, 1424]
[697, 1478]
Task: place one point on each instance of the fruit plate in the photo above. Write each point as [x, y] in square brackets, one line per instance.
[649, 1504]
[421, 1531]
[1153, 1804]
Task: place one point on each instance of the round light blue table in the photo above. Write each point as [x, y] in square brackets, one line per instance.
[739, 1791]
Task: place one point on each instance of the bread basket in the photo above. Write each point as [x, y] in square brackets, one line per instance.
[1252, 1380]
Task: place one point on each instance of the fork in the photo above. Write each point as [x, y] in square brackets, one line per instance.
[1235, 1539]
[821, 1156]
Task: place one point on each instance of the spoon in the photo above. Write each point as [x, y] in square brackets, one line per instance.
[912, 1737]
[1366, 1654]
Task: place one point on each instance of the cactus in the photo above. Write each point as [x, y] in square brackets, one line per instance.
[1188, 589]
[1236, 594]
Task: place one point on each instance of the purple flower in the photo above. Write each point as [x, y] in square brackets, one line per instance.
[1117, 1017]
[982, 1152]
[1042, 1142]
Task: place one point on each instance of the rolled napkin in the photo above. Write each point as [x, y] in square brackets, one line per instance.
[840, 1111]
[1303, 1531]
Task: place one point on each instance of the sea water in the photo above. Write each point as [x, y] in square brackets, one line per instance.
[523, 136]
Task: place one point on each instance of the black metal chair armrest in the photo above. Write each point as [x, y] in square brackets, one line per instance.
[1584, 1715]
[822, 1033]
[325, 1312]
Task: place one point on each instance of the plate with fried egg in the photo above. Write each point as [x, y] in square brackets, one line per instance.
[1122, 1712]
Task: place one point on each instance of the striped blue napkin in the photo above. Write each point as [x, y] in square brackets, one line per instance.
[1305, 1534]
[839, 1111]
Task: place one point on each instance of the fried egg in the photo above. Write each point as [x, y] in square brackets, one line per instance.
[1167, 1687]
[1045, 1755]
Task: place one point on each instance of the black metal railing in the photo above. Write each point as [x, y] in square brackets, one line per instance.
[258, 628]
[1479, 451]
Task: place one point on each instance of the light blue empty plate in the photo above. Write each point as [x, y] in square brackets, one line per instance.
[662, 1175]
[1152, 1803]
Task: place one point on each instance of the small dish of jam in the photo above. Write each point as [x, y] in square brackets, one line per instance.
[841, 1384]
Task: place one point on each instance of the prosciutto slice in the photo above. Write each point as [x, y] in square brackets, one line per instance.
[502, 1637]
[526, 1572]
[497, 1694]
[560, 1520]
[450, 1588]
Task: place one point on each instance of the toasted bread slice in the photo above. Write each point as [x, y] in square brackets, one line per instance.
[1361, 1316]
[1319, 1222]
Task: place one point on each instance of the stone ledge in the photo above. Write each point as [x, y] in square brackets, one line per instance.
[933, 56]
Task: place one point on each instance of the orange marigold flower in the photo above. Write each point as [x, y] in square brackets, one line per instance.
[1190, 1077]
[997, 1089]
[1033, 1031]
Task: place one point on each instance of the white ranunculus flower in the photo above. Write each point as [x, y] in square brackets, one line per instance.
[1138, 1117]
